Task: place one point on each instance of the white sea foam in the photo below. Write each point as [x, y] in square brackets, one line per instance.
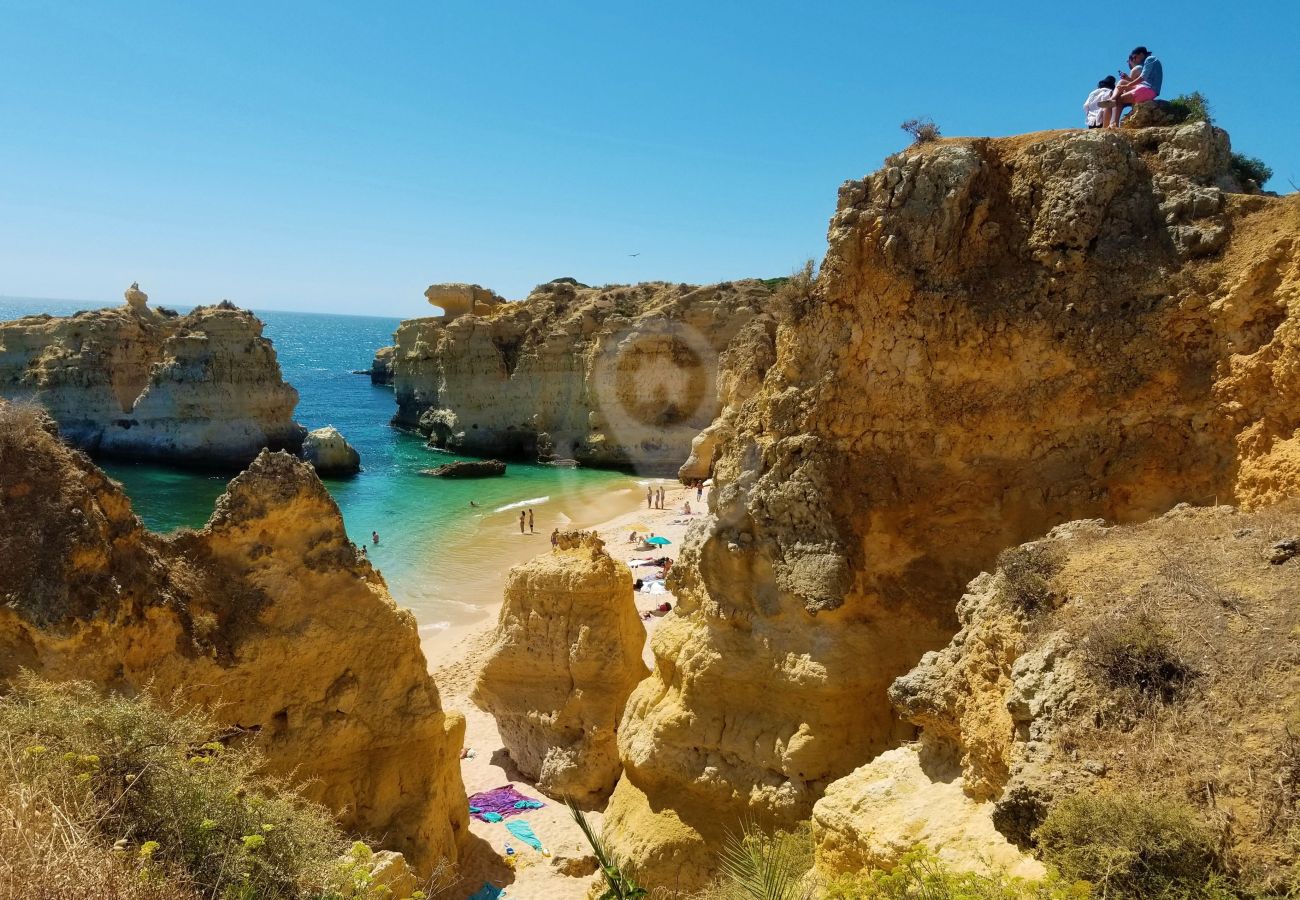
[533, 502]
[434, 626]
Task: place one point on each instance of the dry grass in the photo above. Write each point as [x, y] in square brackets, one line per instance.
[1192, 643]
[112, 797]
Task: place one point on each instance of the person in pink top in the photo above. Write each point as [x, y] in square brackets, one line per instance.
[1140, 85]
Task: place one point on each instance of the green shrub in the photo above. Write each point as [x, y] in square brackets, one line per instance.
[1027, 574]
[151, 783]
[1130, 845]
[759, 866]
[1191, 107]
[919, 875]
[1250, 168]
[618, 885]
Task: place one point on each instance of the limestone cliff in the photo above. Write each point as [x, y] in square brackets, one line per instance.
[268, 617]
[616, 376]
[1005, 335]
[565, 656]
[130, 381]
[1158, 658]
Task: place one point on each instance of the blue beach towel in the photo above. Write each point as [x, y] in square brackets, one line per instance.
[529, 804]
[522, 830]
[486, 892]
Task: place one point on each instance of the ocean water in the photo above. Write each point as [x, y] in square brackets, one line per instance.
[441, 556]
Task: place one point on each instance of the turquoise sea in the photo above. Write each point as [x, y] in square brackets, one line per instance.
[441, 557]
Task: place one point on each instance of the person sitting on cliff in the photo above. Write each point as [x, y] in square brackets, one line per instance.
[1141, 85]
[1093, 113]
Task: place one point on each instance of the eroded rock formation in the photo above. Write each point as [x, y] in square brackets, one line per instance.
[1146, 658]
[1005, 335]
[607, 376]
[565, 656]
[459, 299]
[329, 452]
[268, 617]
[130, 381]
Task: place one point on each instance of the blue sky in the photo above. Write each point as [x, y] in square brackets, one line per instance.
[340, 157]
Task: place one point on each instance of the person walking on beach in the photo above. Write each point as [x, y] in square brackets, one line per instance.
[555, 538]
[522, 516]
[531, 530]
[699, 491]
[648, 502]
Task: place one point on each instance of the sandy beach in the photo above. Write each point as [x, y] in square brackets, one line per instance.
[455, 658]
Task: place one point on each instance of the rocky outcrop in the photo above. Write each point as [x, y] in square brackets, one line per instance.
[617, 376]
[565, 656]
[462, 299]
[204, 388]
[1112, 659]
[479, 468]
[329, 453]
[381, 367]
[1004, 335]
[871, 817]
[268, 617]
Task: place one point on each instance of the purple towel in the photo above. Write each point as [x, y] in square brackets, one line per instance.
[500, 800]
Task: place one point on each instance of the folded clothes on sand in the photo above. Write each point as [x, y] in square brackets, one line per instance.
[529, 804]
[499, 802]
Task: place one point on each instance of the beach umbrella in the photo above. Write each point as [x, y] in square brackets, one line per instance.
[658, 541]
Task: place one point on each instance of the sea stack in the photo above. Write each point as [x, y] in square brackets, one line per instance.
[565, 655]
[329, 453]
[132, 382]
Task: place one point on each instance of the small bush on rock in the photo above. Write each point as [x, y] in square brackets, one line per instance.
[1193, 107]
[1027, 574]
[919, 875]
[1131, 845]
[1137, 654]
[1250, 168]
[922, 130]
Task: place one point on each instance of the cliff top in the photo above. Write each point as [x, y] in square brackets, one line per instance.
[565, 303]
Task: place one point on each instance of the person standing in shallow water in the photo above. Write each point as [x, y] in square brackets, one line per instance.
[531, 529]
[374, 537]
[522, 516]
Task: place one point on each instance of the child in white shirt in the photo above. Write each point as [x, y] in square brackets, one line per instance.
[1093, 111]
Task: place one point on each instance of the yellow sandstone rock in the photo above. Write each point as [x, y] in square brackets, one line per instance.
[142, 383]
[565, 656]
[606, 376]
[268, 617]
[1005, 335]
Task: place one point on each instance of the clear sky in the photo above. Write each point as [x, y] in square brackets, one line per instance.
[339, 157]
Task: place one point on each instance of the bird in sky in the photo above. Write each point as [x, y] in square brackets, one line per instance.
[638, 253]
